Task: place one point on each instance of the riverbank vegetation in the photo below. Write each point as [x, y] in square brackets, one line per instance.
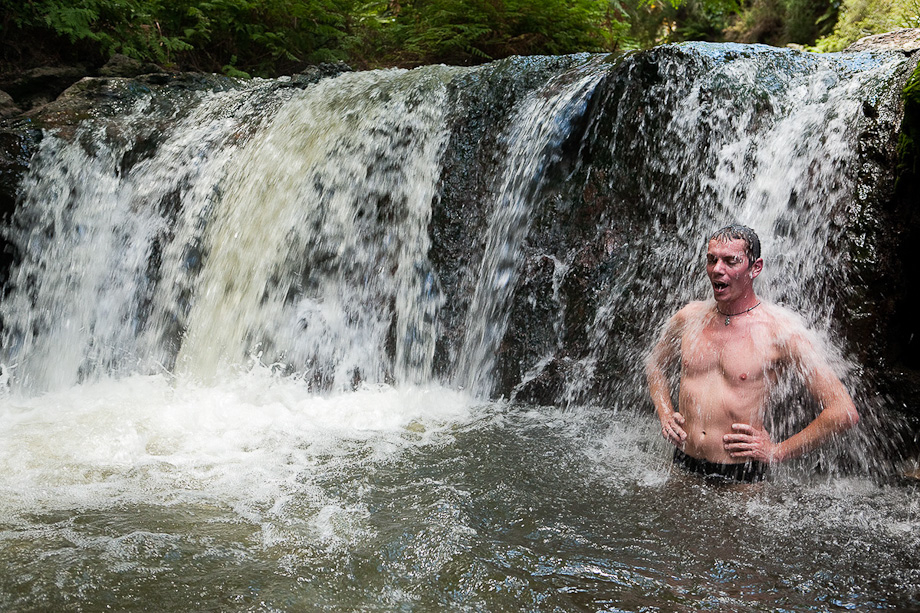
[272, 37]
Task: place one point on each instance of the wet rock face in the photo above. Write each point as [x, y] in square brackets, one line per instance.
[589, 223]
[16, 147]
[485, 101]
[615, 217]
[893, 285]
[123, 66]
[8, 106]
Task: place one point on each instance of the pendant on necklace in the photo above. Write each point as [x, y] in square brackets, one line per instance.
[728, 316]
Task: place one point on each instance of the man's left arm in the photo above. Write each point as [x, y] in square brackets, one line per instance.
[838, 413]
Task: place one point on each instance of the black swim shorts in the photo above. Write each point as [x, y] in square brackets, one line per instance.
[746, 472]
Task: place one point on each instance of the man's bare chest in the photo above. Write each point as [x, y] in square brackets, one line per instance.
[737, 355]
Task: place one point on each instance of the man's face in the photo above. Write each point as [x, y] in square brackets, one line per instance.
[729, 271]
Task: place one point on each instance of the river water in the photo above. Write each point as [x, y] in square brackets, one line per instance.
[255, 495]
[240, 374]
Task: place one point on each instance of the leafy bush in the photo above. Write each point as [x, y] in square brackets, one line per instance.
[130, 27]
[266, 37]
[860, 18]
[262, 36]
[258, 35]
[472, 31]
[271, 37]
[781, 22]
[807, 20]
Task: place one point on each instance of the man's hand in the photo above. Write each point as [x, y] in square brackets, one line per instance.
[746, 441]
[671, 428]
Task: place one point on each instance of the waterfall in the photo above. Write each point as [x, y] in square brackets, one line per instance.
[537, 129]
[102, 227]
[375, 341]
[321, 232]
[732, 134]
[519, 228]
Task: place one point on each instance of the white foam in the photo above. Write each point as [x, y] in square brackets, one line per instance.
[247, 443]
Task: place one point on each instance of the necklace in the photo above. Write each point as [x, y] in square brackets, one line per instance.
[728, 316]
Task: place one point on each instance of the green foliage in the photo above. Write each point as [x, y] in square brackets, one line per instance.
[115, 26]
[654, 22]
[780, 22]
[703, 19]
[270, 37]
[262, 35]
[860, 18]
[259, 34]
[806, 20]
[471, 31]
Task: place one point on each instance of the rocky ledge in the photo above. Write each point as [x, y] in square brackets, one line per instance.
[905, 39]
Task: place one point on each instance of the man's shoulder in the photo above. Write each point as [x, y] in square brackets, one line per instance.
[690, 315]
[782, 316]
[786, 327]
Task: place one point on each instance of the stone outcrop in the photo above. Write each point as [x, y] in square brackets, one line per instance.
[905, 39]
[39, 86]
[8, 106]
[123, 66]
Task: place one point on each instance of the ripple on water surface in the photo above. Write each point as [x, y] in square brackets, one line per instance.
[257, 495]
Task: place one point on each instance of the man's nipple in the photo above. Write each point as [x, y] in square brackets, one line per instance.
[743, 376]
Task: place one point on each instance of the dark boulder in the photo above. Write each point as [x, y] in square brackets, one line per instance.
[39, 86]
[123, 66]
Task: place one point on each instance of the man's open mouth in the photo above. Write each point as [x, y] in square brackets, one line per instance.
[718, 285]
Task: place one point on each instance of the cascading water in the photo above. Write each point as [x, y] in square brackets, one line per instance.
[321, 233]
[537, 129]
[250, 346]
[295, 242]
[764, 138]
[100, 229]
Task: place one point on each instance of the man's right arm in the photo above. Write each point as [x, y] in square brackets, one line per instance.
[664, 356]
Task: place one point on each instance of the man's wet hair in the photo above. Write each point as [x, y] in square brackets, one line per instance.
[739, 232]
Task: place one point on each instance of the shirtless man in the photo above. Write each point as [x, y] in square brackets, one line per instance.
[731, 353]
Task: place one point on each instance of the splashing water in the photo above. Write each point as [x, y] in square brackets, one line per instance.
[322, 224]
[536, 131]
